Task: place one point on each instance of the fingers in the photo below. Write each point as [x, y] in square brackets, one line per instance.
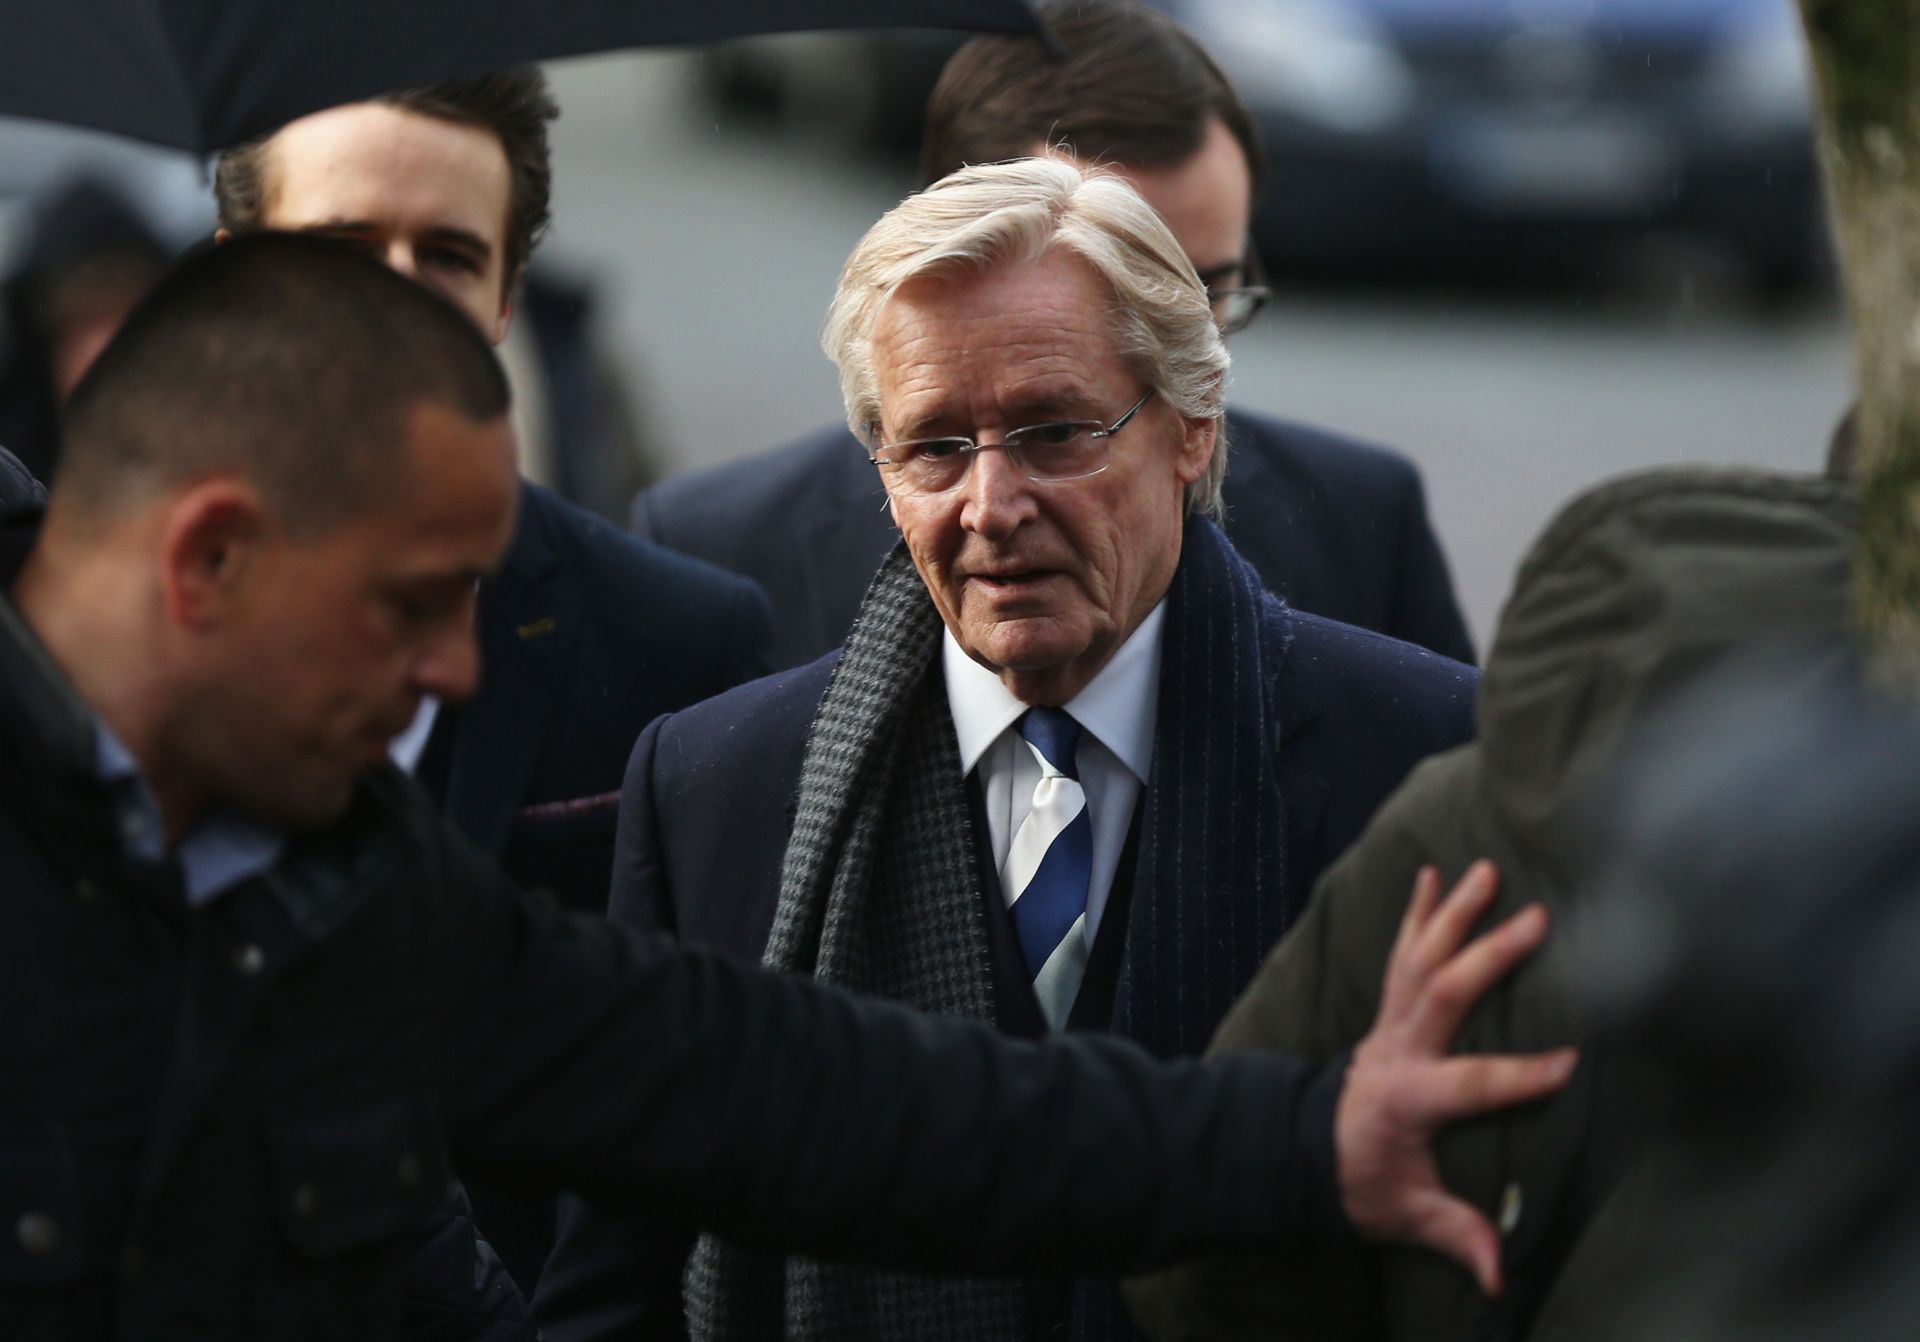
[1455, 917]
[1457, 1230]
[1459, 984]
[1459, 1088]
[1426, 894]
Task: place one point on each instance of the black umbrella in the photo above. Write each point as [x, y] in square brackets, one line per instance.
[204, 74]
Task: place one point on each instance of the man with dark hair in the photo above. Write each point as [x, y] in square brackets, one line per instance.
[1338, 528]
[586, 634]
[260, 996]
[514, 105]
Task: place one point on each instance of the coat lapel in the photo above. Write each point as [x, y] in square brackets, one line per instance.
[527, 623]
[1293, 710]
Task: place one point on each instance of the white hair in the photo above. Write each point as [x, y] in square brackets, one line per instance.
[980, 218]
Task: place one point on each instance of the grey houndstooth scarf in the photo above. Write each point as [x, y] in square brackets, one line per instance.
[880, 893]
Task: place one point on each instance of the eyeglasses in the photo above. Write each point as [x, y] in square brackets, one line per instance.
[1234, 309]
[1068, 449]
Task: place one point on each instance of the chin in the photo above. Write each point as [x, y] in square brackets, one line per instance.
[1026, 650]
[306, 810]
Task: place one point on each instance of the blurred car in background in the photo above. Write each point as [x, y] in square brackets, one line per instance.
[1421, 129]
[1431, 130]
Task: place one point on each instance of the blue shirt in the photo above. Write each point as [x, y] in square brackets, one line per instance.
[224, 850]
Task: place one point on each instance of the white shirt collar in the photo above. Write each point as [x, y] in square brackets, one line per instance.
[1119, 705]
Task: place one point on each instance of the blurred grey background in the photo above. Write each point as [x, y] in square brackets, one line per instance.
[718, 248]
[710, 244]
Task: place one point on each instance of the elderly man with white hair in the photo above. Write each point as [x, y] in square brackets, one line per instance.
[1073, 769]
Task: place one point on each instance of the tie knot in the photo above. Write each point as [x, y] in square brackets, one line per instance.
[1054, 733]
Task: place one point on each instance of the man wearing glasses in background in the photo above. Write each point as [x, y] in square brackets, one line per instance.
[1336, 527]
[1072, 769]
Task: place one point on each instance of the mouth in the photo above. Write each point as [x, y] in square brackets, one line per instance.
[1012, 582]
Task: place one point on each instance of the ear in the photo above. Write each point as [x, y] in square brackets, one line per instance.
[1196, 448]
[209, 541]
[222, 236]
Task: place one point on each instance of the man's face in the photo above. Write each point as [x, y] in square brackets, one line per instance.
[1207, 203]
[325, 645]
[1039, 582]
[425, 195]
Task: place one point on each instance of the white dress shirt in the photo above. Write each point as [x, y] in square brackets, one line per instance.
[1116, 712]
[407, 748]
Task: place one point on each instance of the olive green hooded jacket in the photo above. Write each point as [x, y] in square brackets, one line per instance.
[1635, 589]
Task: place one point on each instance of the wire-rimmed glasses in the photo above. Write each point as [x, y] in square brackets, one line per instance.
[1067, 449]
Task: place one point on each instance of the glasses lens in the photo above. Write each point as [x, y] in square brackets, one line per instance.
[929, 467]
[1235, 309]
[1062, 451]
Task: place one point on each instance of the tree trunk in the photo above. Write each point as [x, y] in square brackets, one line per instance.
[1864, 60]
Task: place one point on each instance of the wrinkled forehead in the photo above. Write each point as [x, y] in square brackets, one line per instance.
[1041, 332]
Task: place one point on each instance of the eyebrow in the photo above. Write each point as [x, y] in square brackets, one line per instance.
[467, 575]
[1044, 408]
[460, 237]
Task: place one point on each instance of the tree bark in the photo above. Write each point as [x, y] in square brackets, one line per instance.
[1864, 62]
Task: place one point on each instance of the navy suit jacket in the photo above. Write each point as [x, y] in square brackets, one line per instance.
[709, 803]
[586, 635]
[1337, 527]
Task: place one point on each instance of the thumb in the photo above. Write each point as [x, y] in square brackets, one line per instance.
[1457, 1230]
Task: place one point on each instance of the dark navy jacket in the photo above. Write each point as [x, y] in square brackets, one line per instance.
[586, 635]
[228, 1122]
[1335, 526]
[709, 805]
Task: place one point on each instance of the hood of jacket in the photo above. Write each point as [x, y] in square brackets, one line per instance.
[1636, 588]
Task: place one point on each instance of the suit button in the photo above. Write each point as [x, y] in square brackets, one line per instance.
[409, 1172]
[305, 1201]
[249, 959]
[85, 890]
[38, 1233]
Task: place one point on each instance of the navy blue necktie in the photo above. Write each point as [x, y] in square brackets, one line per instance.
[1050, 863]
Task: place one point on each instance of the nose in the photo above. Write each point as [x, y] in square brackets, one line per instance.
[449, 667]
[997, 497]
[400, 257]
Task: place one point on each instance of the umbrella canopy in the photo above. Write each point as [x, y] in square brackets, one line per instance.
[205, 74]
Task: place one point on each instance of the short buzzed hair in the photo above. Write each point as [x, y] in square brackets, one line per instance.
[515, 104]
[1121, 84]
[293, 361]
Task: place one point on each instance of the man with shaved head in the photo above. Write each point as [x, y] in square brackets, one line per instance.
[587, 634]
[260, 997]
